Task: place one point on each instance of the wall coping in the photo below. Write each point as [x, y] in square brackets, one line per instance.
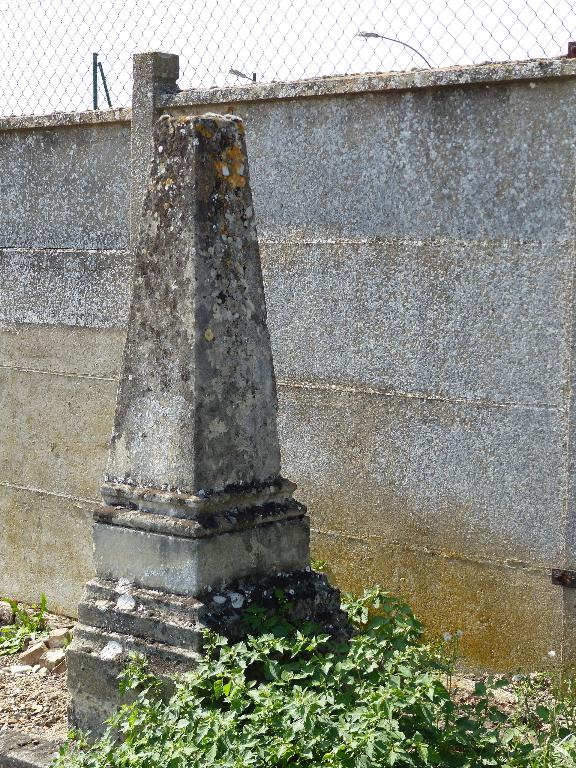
[374, 82]
[475, 74]
[66, 119]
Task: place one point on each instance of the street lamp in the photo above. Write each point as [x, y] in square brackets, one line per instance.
[394, 40]
[237, 73]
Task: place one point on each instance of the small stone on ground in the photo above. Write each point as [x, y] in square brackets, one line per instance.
[6, 614]
[33, 653]
[34, 701]
[59, 638]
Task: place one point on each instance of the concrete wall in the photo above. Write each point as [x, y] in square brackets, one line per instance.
[64, 288]
[417, 233]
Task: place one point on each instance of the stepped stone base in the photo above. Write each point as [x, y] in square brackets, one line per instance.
[95, 659]
[167, 629]
[157, 598]
[185, 564]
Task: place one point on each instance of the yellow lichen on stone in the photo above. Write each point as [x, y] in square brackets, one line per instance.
[231, 167]
[209, 334]
[203, 131]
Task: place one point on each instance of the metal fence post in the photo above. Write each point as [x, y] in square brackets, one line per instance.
[94, 81]
[154, 74]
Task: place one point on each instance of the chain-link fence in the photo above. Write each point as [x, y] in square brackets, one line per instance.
[46, 55]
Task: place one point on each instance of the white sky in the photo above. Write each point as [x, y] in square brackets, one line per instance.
[46, 45]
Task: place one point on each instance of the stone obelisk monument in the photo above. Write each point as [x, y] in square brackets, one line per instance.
[197, 521]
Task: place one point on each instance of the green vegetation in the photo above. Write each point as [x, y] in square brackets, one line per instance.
[27, 624]
[289, 698]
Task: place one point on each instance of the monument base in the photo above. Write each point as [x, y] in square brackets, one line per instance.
[117, 618]
[162, 581]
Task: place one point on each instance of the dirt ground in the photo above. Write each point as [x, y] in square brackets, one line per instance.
[32, 703]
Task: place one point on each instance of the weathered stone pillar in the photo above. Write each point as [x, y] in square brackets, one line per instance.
[198, 522]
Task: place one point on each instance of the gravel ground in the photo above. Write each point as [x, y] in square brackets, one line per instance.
[31, 703]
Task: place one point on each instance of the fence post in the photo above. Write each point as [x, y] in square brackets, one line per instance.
[154, 74]
[94, 81]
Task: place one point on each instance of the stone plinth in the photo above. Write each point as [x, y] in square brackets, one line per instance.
[197, 522]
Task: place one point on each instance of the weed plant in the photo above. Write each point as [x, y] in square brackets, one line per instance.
[26, 625]
[290, 698]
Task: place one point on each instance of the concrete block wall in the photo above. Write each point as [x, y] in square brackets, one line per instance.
[417, 234]
[64, 286]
